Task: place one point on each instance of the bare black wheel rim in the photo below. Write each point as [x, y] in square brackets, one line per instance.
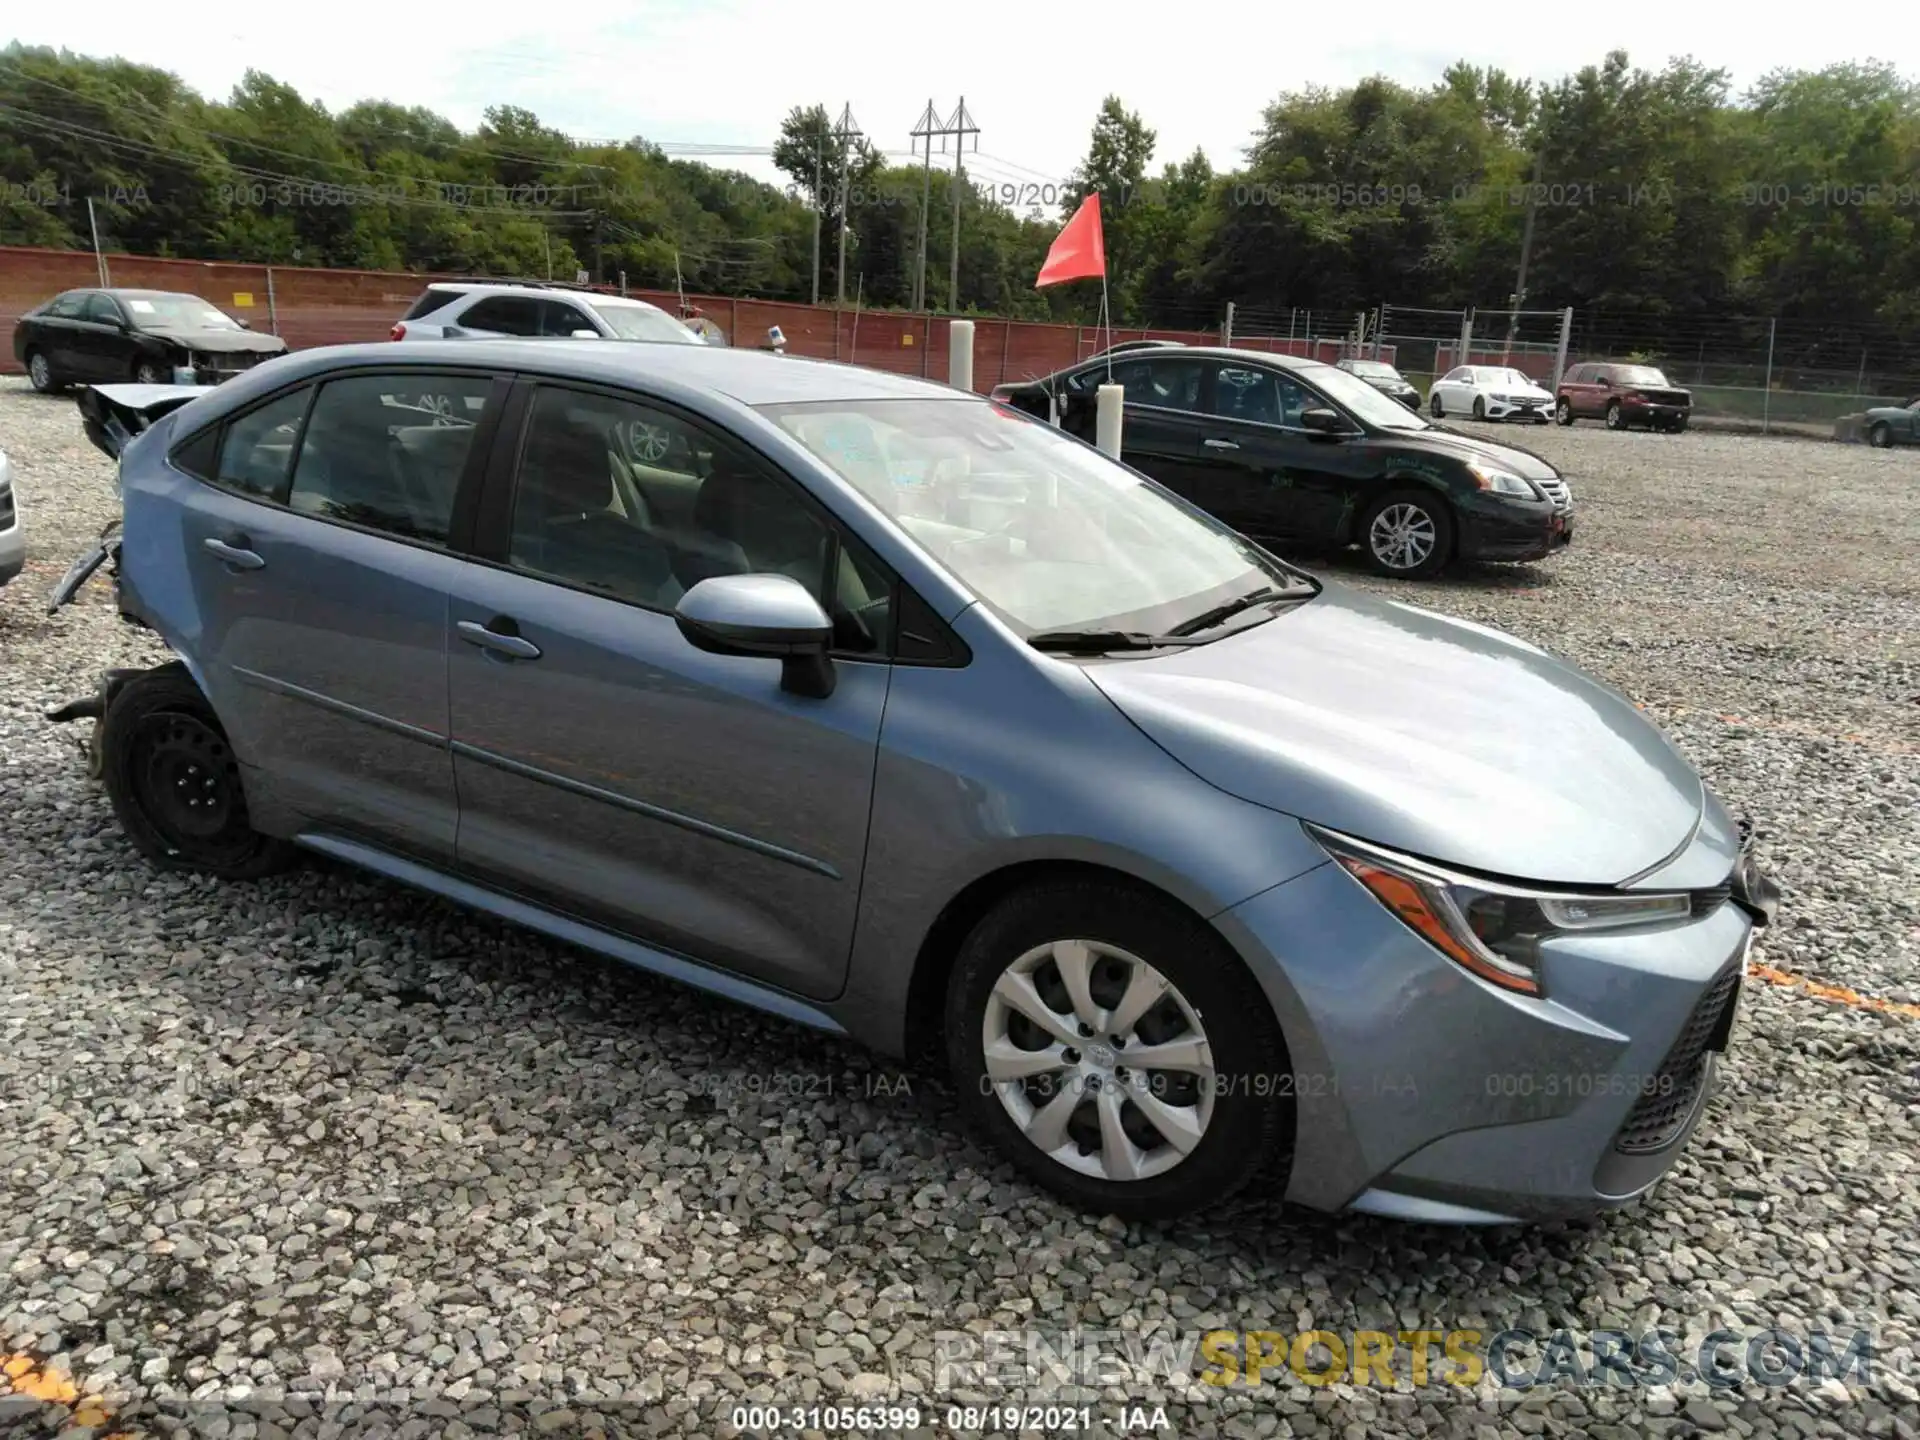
[1099, 1060]
[187, 785]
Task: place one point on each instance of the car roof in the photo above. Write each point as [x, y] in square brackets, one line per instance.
[1224, 352]
[151, 294]
[751, 377]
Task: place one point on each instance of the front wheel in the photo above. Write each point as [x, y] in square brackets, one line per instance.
[150, 372]
[1117, 1051]
[1616, 417]
[1433, 404]
[175, 783]
[1563, 412]
[1479, 407]
[1880, 436]
[1408, 534]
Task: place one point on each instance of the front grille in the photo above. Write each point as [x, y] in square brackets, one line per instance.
[1556, 491]
[224, 360]
[1675, 1086]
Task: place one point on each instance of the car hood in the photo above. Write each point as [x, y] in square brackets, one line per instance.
[221, 342]
[1437, 737]
[1457, 445]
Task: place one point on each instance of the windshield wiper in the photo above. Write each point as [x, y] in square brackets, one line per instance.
[1095, 642]
[1207, 619]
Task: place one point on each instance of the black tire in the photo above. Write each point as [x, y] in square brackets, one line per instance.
[151, 372]
[1251, 1127]
[40, 373]
[1479, 407]
[1616, 417]
[159, 739]
[1433, 404]
[1563, 412]
[1880, 436]
[1679, 423]
[1439, 519]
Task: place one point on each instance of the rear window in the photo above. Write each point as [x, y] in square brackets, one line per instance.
[429, 301]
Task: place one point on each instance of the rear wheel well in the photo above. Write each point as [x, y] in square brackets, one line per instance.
[927, 992]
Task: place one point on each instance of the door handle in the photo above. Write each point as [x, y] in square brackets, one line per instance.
[1213, 444]
[234, 554]
[515, 647]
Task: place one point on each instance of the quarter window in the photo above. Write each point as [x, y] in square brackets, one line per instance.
[256, 451]
[372, 455]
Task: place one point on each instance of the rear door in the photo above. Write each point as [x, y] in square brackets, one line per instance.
[608, 769]
[1165, 410]
[321, 555]
[502, 315]
[60, 334]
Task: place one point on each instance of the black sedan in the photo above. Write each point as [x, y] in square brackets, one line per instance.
[1298, 453]
[141, 335]
[1384, 378]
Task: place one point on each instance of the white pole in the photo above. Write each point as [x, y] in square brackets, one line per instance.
[1106, 425]
[960, 353]
[1560, 356]
[1226, 330]
[1766, 395]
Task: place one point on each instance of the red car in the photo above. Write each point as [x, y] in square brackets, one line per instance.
[1622, 395]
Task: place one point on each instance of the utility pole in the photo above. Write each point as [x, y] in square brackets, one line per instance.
[845, 131]
[819, 143]
[960, 127]
[1526, 247]
[928, 127]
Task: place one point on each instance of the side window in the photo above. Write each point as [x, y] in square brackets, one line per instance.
[256, 450]
[508, 314]
[373, 458]
[68, 307]
[1168, 384]
[1243, 393]
[636, 503]
[1456, 376]
[102, 310]
[560, 318]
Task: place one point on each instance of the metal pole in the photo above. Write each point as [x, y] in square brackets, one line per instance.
[99, 256]
[273, 314]
[1766, 396]
[819, 142]
[959, 149]
[1566, 337]
[1465, 357]
[846, 147]
[926, 203]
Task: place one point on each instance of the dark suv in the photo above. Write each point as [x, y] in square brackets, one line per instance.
[1304, 454]
[1623, 395]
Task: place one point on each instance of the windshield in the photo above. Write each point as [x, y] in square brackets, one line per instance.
[1507, 377]
[1642, 375]
[175, 312]
[1048, 533]
[1362, 400]
[643, 322]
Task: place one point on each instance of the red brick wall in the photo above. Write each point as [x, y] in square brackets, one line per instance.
[333, 307]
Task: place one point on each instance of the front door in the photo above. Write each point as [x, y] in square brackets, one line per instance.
[104, 350]
[608, 769]
[1267, 475]
[322, 589]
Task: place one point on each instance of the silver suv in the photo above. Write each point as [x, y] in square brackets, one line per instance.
[461, 308]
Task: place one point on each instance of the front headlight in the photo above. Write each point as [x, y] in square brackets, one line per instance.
[1491, 929]
[1500, 482]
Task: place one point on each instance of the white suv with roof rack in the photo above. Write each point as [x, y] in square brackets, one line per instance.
[466, 308]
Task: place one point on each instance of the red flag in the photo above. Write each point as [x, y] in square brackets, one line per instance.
[1079, 251]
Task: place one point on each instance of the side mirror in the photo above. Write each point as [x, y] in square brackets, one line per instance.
[583, 334]
[1322, 421]
[769, 615]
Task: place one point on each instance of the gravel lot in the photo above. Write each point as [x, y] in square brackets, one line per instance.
[320, 1134]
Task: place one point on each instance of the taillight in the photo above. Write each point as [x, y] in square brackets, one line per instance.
[399, 331]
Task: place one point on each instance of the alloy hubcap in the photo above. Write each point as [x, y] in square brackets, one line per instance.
[147, 375]
[1099, 1060]
[1402, 536]
[41, 374]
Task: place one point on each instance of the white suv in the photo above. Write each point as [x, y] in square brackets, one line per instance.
[461, 308]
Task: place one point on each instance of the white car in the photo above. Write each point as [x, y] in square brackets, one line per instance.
[1489, 392]
[13, 537]
[457, 308]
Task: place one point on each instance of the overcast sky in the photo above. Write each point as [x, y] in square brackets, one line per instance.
[726, 71]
